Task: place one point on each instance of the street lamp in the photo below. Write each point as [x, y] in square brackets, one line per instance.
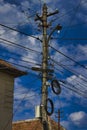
[58, 27]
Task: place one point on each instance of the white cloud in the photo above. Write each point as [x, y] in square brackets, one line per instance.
[78, 118]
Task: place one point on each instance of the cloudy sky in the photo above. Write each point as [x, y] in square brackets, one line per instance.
[19, 45]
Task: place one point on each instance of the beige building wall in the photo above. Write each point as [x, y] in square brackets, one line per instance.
[6, 100]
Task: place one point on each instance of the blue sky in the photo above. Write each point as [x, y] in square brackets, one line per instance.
[71, 41]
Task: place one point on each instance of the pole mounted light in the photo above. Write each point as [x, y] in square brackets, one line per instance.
[58, 28]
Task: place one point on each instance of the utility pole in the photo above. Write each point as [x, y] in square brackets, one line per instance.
[59, 116]
[58, 119]
[45, 68]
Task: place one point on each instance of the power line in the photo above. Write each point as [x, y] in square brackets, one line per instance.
[19, 65]
[12, 54]
[75, 12]
[19, 31]
[75, 81]
[81, 85]
[11, 42]
[63, 14]
[73, 86]
[78, 92]
[66, 13]
[72, 39]
[26, 61]
[75, 25]
[78, 83]
[70, 70]
[68, 57]
[20, 104]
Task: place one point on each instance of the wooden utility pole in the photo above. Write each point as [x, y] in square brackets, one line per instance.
[45, 68]
[58, 119]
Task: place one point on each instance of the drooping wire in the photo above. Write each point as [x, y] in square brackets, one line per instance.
[21, 32]
[25, 61]
[70, 70]
[13, 43]
[71, 21]
[81, 84]
[68, 57]
[69, 11]
[74, 90]
[16, 54]
[34, 81]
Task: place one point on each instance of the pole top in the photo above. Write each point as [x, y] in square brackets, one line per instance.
[44, 6]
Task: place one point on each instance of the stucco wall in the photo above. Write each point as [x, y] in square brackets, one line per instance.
[6, 100]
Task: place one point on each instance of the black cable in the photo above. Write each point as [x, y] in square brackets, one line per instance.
[69, 11]
[75, 25]
[26, 61]
[11, 42]
[75, 12]
[19, 31]
[19, 65]
[81, 85]
[68, 57]
[81, 94]
[40, 5]
[12, 54]
[78, 83]
[62, 15]
[70, 70]
[71, 39]
[59, 70]
[19, 104]
[73, 86]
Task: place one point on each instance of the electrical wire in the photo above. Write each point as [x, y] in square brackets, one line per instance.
[19, 31]
[70, 70]
[80, 93]
[34, 81]
[67, 13]
[40, 5]
[75, 12]
[26, 61]
[19, 65]
[71, 39]
[63, 14]
[68, 57]
[59, 70]
[73, 86]
[13, 43]
[77, 92]
[78, 83]
[12, 54]
[75, 25]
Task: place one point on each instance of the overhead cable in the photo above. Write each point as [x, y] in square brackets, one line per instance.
[74, 90]
[19, 31]
[70, 70]
[16, 54]
[26, 61]
[34, 81]
[68, 57]
[11, 42]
